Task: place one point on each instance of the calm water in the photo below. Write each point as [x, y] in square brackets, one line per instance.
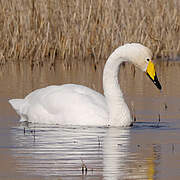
[148, 150]
[142, 152]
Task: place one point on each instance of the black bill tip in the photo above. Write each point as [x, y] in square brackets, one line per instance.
[155, 81]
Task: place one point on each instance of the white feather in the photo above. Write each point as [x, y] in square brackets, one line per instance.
[72, 104]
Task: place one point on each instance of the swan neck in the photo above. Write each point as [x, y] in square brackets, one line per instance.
[111, 71]
[119, 114]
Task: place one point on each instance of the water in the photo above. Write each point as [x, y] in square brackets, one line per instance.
[148, 150]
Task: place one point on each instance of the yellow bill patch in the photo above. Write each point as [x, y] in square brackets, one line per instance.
[151, 70]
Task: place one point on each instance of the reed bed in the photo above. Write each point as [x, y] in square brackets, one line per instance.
[85, 30]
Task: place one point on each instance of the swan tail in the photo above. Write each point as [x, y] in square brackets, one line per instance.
[16, 104]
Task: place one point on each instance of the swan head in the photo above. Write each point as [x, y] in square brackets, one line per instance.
[141, 57]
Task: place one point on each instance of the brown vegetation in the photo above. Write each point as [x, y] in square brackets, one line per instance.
[87, 30]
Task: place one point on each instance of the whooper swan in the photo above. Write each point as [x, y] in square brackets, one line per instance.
[72, 104]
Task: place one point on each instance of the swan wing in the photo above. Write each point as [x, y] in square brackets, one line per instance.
[66, 104]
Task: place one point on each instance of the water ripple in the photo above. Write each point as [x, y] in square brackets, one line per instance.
[108, 153]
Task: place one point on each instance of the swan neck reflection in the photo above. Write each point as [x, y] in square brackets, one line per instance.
[115, 151]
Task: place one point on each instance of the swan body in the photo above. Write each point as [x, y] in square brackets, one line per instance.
[66, 104]
[72, 104]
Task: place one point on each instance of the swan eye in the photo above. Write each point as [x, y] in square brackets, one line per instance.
[148, 59]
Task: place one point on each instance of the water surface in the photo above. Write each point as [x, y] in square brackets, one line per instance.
[149, 150]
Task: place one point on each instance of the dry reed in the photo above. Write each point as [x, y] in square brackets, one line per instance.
[88, 30]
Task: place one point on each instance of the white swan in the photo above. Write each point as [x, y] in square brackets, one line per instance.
[72, 104]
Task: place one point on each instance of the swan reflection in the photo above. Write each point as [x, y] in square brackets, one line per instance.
[111, 153]
[115, 152]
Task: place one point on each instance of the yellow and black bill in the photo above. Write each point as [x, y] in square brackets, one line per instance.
[152, 74]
